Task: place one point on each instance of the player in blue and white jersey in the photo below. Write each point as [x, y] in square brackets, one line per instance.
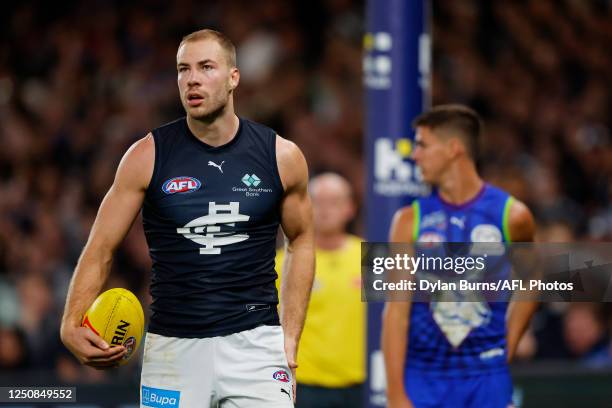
[443, 353]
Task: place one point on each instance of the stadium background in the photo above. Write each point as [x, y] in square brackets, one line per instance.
[80, 81]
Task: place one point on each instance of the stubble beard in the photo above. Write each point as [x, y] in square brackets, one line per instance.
[210, 115]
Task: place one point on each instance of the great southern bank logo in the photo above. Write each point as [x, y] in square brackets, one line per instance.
[255, 187]
[160, 398]
[251, 180]
[394, 174]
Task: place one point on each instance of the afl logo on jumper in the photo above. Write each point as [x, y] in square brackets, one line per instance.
[181, 185]
[486, 233]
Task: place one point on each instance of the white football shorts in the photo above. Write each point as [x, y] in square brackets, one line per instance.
[242, 370]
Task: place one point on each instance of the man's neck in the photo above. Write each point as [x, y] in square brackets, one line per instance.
[216, 133]
[331, 242]
[461, 183]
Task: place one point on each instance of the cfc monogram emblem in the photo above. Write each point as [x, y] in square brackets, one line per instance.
[206, 230]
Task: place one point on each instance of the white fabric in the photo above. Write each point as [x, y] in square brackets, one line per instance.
[241, 370]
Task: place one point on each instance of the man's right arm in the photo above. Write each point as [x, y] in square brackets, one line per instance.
[115, 217]
[396, 319]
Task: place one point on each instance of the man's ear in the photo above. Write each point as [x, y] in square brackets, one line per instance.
[234, 78]
[456, 146]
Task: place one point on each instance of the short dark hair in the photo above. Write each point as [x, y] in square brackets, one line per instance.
[455, 117]
[222, 39]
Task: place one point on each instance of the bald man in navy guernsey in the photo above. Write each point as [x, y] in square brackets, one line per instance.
[213, 189]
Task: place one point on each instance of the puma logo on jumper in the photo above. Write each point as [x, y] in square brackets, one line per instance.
[212, 163]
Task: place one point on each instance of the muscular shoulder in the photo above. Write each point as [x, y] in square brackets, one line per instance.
[402, 225]
[521, 224]
[291, 163]
[136, 167]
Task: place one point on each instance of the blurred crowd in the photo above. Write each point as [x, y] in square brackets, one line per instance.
[538, 71]
[81, 81]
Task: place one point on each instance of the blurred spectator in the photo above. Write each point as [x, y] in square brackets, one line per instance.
[331, 357]
[586, 334]
[556, 231]
[14, 353]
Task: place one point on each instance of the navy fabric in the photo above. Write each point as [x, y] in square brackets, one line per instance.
[211, 215]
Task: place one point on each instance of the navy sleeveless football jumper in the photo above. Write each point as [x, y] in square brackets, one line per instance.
[211, 216]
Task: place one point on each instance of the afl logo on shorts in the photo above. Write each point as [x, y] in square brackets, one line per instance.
[281, 375]
[181, 185]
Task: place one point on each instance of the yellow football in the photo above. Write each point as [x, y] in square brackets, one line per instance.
[116, 316]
